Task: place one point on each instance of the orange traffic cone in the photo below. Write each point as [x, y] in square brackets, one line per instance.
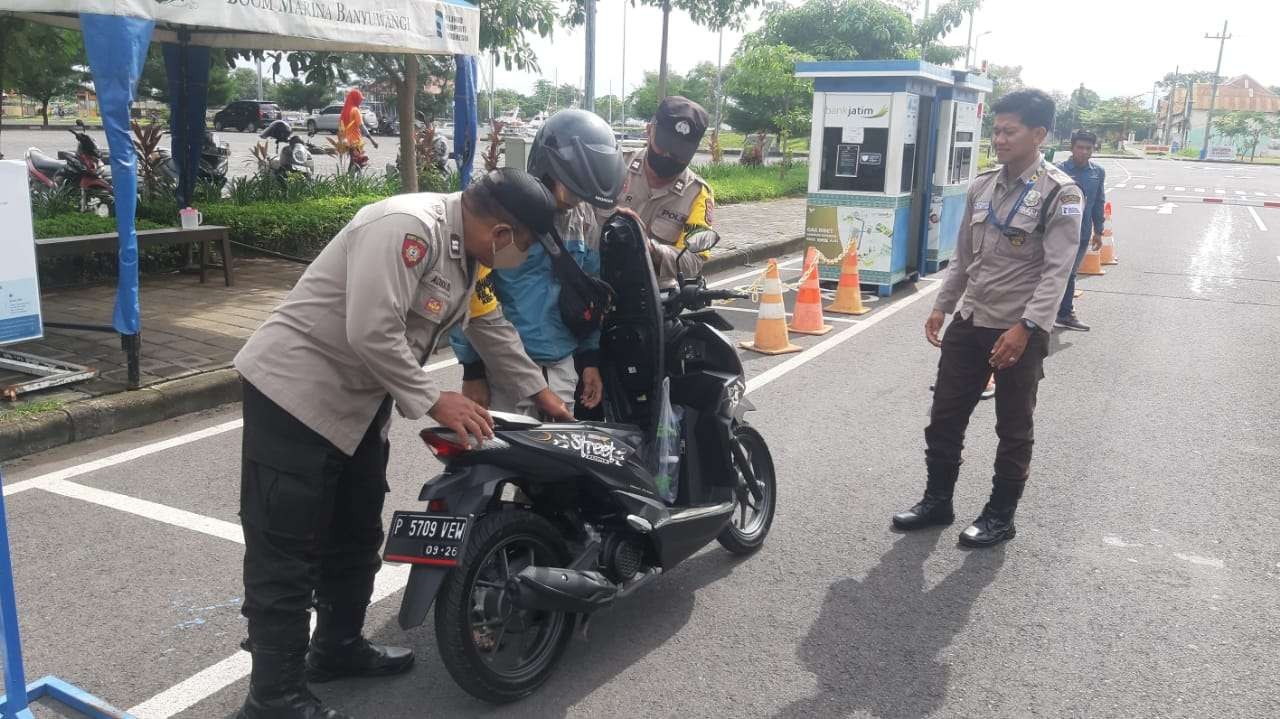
[1092, 264]
[849, 291]
[1108, 253]
[808, 316]
[1106, 210]
[771, 323]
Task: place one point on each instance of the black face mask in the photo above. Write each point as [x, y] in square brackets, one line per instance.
[662, 165]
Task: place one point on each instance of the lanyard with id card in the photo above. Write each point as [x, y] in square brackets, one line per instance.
[1028, 198]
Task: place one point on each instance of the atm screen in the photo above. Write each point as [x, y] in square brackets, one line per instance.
[854, 167]
[961, 163]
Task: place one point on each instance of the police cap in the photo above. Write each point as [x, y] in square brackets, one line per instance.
[527, 200]
[679, 125]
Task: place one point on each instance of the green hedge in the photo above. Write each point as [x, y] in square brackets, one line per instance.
[83, 224]
[300, 228]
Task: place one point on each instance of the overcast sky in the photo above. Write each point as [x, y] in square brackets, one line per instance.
[1116, 47]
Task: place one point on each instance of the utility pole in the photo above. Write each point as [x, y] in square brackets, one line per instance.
[662, 63]
[589, 82]
[968, 45]
[624, 62]
[719, 83]
[258, 62]
[1213, 94]
[1168, 105]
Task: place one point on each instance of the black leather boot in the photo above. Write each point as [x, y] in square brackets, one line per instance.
[995, 524]
[935, 508]
[339, 650]
[278, 689]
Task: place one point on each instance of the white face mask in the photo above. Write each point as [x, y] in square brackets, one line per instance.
[509, 257]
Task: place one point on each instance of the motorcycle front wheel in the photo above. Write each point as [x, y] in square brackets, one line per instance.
[753, 518]
[494, 651]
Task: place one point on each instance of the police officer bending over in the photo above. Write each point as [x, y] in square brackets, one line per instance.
[671, 200]
[1015, 250]
[320, 377]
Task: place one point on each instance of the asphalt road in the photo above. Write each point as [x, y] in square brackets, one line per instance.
[1143, 580]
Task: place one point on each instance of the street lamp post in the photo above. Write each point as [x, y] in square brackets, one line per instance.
[975, 45]
[1213, 93]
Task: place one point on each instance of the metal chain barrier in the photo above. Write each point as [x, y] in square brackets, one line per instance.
[757, 284]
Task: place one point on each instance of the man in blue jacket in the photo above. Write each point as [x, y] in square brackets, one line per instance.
[576, 155]
[1092, 180]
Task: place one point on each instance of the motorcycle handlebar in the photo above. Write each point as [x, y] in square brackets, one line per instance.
[714, 295]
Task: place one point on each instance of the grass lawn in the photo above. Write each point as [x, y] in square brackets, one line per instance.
[730, 140]
[733, 183]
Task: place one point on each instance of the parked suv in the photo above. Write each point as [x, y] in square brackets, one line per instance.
[327, 119]
[246, 115]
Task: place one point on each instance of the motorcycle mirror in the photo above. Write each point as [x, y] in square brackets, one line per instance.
[702, 241]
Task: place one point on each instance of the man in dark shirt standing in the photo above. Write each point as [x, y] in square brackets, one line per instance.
[1092, 180]
[1013, 253]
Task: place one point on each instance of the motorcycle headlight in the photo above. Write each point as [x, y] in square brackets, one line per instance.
[300, 156]
[213, 139]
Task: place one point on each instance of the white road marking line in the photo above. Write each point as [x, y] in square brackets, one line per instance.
[1178, 189]
[207, 682]
[1121, 186]
[1199, 189]
[1159, 187]
[1139, 187]
[1219, 190]
[1256, 219]
[1241, 192]
[838, 339]
[748, 310]
[121, 458]
[753, 273]
[148, 449]
[151, 510]
[1259, 194]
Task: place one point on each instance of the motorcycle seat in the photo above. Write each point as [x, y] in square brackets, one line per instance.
[511, 420]
[44, 163]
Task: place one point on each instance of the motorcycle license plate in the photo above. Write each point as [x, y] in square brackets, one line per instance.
[419, 538]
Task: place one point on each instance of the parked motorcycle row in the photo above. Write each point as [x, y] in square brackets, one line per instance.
[85, 172]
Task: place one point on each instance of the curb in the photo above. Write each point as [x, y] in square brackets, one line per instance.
[113, 413]
[117, 412]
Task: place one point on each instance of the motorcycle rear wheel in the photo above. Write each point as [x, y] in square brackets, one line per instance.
[475, 625]
[750, 525]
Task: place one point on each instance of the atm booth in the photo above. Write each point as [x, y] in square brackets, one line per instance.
[893, 148]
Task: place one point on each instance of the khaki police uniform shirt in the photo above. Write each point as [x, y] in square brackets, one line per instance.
[368, 311]
[669, 213]
[1005, 279]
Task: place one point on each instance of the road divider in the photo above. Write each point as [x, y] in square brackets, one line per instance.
[1241, 200]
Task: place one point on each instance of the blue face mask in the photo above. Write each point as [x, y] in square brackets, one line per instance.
[662, 165]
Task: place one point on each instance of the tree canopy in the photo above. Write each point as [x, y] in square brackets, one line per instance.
[766, 95]
[44, 62]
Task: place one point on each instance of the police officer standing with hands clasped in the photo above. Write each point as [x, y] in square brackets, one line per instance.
[1016, 248]
[671, 200]
[320, 376]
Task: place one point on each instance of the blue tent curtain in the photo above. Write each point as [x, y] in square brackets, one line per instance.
[464, 117]
[187, 71]
[117, 48]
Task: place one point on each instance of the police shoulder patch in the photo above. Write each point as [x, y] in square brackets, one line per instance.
[413, 250]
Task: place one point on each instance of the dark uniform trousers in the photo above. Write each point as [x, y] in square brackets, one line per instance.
[312, 519]
[962, 376]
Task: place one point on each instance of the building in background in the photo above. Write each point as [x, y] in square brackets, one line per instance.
[1240, 93]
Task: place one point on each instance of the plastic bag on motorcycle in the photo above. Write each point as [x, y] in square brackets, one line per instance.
[666, 446]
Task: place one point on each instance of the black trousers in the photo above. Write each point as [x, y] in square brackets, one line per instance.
[312, 519]
[962, 375]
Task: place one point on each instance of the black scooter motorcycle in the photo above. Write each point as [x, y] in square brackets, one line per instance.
[545, 524]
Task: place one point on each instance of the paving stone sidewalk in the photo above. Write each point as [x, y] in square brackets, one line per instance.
[190, 328]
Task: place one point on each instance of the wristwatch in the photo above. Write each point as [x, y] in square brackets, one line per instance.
[1031, 326]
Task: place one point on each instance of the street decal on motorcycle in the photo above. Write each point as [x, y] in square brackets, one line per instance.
[591, 447]
[413, 250]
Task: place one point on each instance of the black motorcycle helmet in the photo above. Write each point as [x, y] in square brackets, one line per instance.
[279, 130]
[578, 149]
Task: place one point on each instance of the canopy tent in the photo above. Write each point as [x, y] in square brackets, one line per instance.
[117, 33]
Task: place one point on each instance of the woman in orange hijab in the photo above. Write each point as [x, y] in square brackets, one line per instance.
[351, 126]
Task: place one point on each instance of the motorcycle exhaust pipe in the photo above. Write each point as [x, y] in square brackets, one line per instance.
[553, 589]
